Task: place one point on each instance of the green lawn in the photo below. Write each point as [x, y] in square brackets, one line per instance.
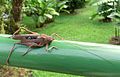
[78, 28]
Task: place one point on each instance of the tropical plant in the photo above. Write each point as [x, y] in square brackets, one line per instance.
[108, 9]
[4, 15]
[60, 5]
[43, 11]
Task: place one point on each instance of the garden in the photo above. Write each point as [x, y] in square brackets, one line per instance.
[94, 21]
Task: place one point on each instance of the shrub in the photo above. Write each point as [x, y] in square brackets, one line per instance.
[75, 4]
[43, 11]
[108, 9]
[5, 8]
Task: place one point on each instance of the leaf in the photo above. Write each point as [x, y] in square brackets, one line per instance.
[114, 15]
[49, 16]
[61, 3]
[39, 1]
[50, 9]
[42, 5]
[65, 11]
[102, 1]
[54, 13]
[62, 7]
[41, 19]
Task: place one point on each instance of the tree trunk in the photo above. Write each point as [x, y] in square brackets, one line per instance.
[16, 9]
[16, 14]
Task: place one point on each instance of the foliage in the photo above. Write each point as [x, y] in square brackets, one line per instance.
[43, 11]
[60, 5]
[75, 4]
[4, 14]
[108, 9]
[9, 14]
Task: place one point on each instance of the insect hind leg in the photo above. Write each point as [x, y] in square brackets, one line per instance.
[53, 47]
[11, 51]
[29, 49]
[49, 49]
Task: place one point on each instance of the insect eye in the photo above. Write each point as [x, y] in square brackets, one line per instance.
[29, 38]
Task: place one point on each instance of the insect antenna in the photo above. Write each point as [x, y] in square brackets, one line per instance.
[54, 34]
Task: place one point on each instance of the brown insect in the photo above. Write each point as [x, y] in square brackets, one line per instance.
[33, 40]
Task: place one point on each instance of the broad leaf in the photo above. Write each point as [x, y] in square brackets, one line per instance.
[41, 19]
[49, 16]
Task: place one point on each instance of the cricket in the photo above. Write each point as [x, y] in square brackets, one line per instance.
[32, 40]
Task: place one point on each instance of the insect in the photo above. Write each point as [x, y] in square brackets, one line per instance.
[32, 40]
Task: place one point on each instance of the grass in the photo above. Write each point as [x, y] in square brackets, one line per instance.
[78, 28]
[51, 74]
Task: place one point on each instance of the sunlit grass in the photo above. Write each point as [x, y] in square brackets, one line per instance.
[80, 28]
[51, 74]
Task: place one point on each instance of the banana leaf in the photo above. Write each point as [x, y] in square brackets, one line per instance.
[79, 58]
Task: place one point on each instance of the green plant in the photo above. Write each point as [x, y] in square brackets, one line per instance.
[60, 5]
[75, 4]
[43, 11]
[109, 9]
[4, 15]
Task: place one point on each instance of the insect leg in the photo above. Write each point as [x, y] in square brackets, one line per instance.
[49, 49]
[29, 49]
[11, 51]
[54, 34]
[46, 47]
[28, 30]
[34, 44]
[53, 47]
[16, 32]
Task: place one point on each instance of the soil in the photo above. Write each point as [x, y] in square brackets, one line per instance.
[6, 71]
[115, 40]
[106, 20]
